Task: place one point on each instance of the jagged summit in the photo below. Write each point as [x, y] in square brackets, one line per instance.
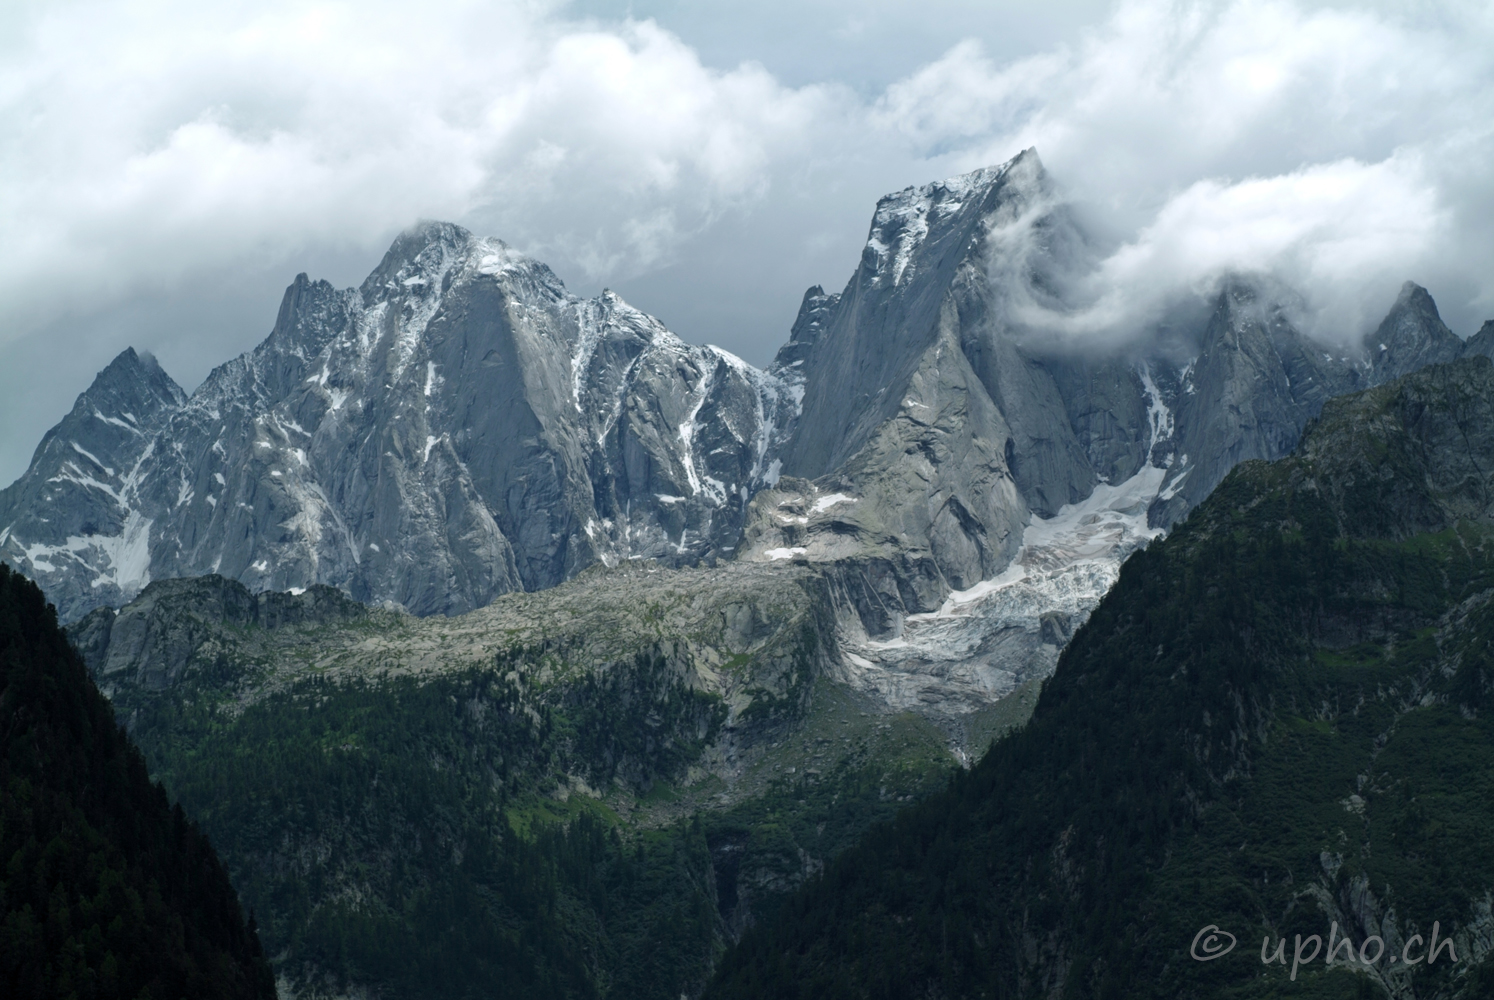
[1253, 386]
[1481, 342]
[913, 229]
[815, 309]
[460, 425]
[1411, 336]
[456, 427]
[133, 386]
[887, 316]
[73, 520]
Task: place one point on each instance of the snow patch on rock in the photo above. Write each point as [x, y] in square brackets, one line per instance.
[985, 641]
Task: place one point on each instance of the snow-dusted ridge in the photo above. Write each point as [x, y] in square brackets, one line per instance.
[460, 426]
[435, 437]
[902, 220]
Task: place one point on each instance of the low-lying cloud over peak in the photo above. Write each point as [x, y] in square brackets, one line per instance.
[145, 155]
[1329, 148]
[1338, 238]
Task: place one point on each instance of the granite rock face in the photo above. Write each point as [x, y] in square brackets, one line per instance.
[457, 427]
[1411, 336]
[460, 427]
[971, 486]
[1481, 343]
[1257, 380]
[72, 521]
[1254, 385]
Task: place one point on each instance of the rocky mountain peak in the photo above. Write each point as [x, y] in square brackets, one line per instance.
[72, 519]
[1255, 383]
[456, 427]
[1254, 316]
[919, 223]
[1411, 336]
[420, 253]
[815, 312]
[876, 334]
[133, 387]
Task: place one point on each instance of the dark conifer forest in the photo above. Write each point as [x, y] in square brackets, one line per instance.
[107, 890]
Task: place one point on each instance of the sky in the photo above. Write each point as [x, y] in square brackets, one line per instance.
[168, 167]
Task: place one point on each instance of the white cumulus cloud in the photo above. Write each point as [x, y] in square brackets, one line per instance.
[1328, 147]
[148, 143]
[160, 156]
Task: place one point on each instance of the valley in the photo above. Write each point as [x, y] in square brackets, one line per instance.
[502, 641]
[667, 746]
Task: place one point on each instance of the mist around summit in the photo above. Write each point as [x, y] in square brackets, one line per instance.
[714, 169]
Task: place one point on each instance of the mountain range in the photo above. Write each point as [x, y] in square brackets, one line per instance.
[502, 641]
[460, 427]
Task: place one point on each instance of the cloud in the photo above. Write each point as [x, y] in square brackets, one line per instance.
[155, 154]
[1330, 148]
[1345, 233]
[142, 155]
[642, 144]
[149, 145]
[1342, 235]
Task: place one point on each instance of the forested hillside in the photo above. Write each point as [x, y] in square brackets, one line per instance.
[587, 791]
[107, 890]
[1280, 722]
